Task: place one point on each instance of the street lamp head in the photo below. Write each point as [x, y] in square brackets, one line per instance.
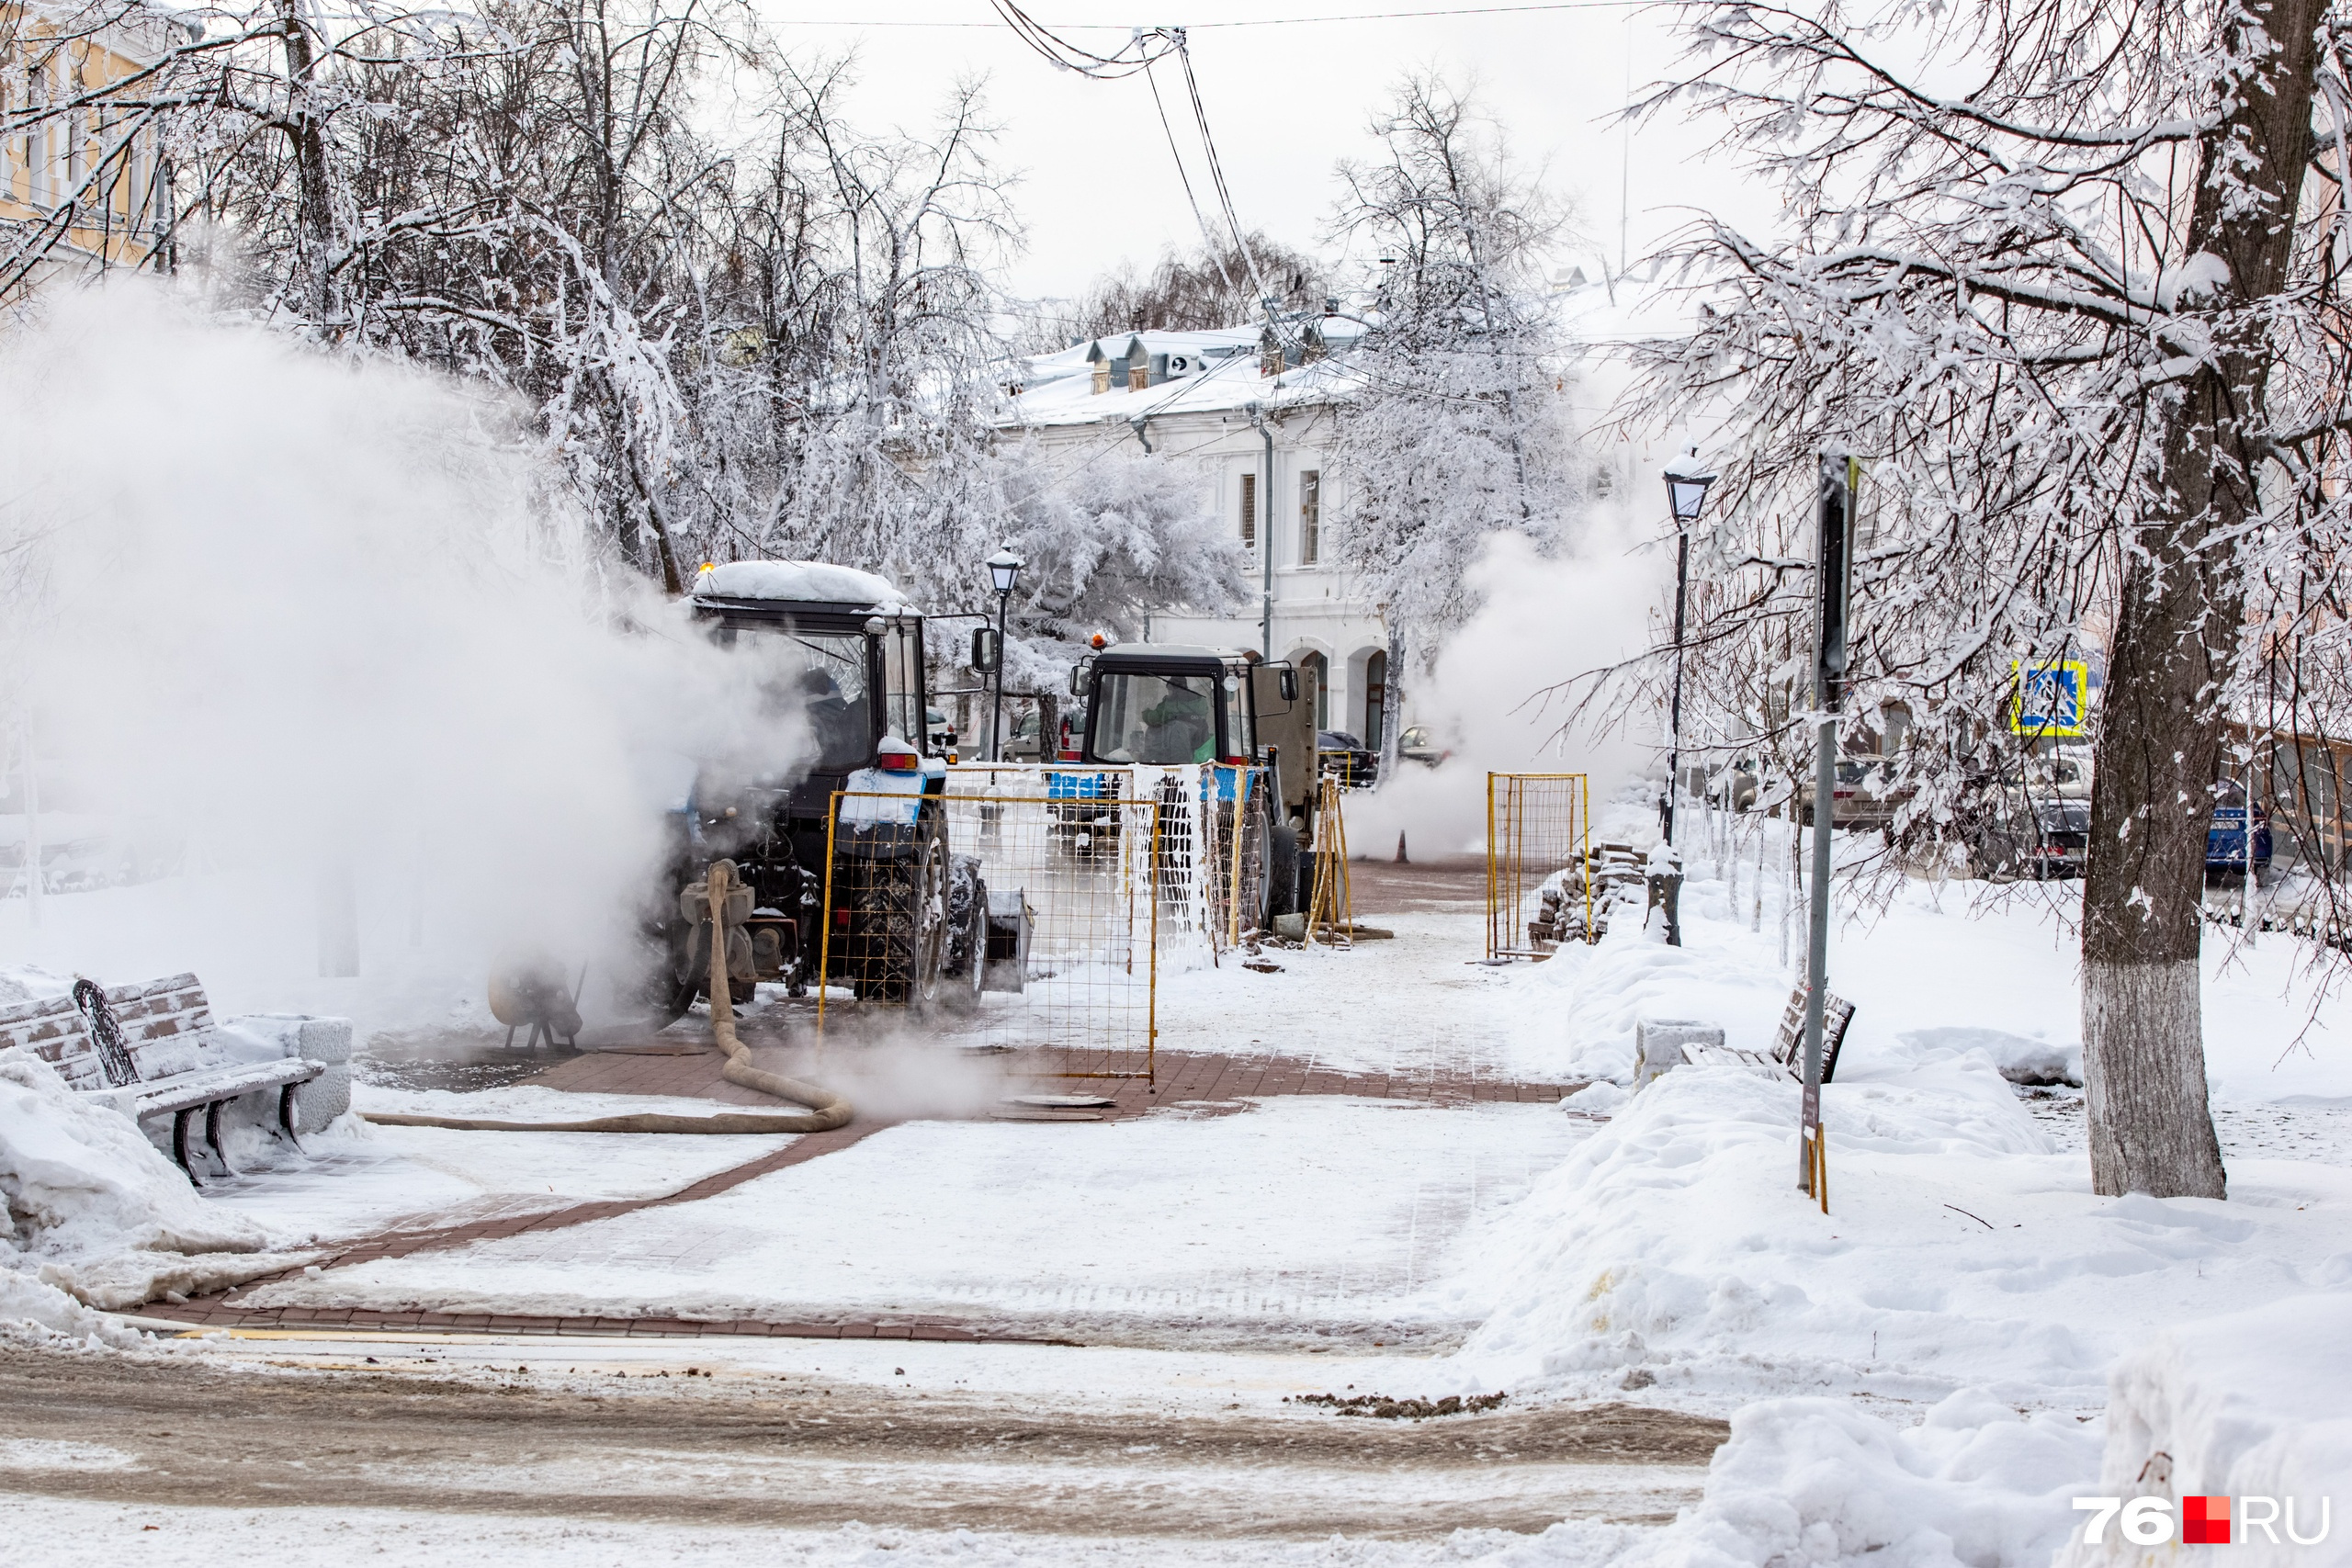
[1004, 568]
[1686, 479]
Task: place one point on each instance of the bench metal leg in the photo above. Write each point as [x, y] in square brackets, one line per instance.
[212, 1135]
[286, 1114]
[179, 1144]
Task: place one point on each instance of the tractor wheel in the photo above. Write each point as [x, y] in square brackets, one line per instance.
[967, 934]
[904, 912]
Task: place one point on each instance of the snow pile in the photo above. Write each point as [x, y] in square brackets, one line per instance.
[1631, 974]
[2254, 1404]
[34, 1312]
[2021, 1059]
[1671, 1250]
[1815, 1481]
[92, 1208]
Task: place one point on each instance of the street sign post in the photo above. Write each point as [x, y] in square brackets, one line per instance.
[1832, 581]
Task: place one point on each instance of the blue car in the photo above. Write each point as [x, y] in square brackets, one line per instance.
[2225, 840]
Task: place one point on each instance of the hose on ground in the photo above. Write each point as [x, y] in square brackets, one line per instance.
[826, 1110]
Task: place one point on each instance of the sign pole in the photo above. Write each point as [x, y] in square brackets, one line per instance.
[1833, 579]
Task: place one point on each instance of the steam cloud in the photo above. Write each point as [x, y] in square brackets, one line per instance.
[288, 621]
[1542, 622]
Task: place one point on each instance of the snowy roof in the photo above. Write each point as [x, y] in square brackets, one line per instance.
[800, 582]
[1221, 374]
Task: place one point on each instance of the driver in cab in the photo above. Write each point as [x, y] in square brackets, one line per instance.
[1181, 727]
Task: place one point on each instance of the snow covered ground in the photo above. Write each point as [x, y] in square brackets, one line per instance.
[1924, 1375]
[1308, 1218]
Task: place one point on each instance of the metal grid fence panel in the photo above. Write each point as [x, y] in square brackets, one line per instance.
[1050, 940]
[1538, 827]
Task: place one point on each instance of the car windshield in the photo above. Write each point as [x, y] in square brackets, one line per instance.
[823, 674]
[1156, 719]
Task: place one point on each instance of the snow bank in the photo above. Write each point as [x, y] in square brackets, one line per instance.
[34, 1312]
[1815, 1481]
[1595, 996]
[96, 1209]
[1671, 1252]
[2256, 1404]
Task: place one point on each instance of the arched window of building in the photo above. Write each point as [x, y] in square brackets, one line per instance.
[1375, 697]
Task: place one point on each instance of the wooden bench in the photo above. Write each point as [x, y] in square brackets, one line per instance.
[1786, 1059]
[147, 1051]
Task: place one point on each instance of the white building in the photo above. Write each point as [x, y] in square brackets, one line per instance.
[1254, 413]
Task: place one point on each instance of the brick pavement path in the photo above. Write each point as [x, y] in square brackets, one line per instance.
[1187, 1084]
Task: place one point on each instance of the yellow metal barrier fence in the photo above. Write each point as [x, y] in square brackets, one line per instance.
[1538, 824]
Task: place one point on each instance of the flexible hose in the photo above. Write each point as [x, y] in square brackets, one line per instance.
[826, 1110]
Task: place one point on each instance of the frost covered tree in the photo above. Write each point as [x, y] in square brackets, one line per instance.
[1452, 426]
[2070, 275]
[780, 344]
[1209, 287]
[1123, 536]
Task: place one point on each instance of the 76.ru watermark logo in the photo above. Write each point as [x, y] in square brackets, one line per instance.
[2204, 1521]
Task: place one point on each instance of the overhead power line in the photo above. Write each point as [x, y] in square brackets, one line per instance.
[1248, 22]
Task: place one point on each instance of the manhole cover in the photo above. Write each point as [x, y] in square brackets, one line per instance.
[1061, 1102]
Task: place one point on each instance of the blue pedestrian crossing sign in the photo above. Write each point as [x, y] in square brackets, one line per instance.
[2051, 700]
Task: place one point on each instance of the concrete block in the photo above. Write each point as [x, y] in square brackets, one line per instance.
[1658, 1044]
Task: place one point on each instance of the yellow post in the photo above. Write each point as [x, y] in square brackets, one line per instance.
[1584, 790]
[825, 915]
[1491, 889]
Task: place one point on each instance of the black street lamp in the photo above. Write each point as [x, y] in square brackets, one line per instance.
[1004, 570]
[1686, 491]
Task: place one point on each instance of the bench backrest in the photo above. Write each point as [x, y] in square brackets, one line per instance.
[165, 1023]
[1788, 1047]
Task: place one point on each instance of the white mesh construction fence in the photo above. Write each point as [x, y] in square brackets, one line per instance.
[1208, 877]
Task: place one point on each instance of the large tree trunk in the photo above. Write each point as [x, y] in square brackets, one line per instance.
[2177, 622]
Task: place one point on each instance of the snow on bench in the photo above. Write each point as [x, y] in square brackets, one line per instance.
[149, 1050]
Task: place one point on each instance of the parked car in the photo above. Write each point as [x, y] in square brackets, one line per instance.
[942, 733]
[1865, 794]
[1349, 760]
[2225, 839]
[1021, 743]
[1418, 745]
[2033, 832]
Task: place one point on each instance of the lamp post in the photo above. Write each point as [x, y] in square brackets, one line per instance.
[1004, 570]
[1686, 491]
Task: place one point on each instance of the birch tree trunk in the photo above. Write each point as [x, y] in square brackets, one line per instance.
[2179, 618]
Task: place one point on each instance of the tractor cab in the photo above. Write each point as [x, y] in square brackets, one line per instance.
[1166, 705]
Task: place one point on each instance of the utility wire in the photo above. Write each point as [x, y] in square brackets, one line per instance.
[1250, 22]
[1216, 180]
[1208, 235]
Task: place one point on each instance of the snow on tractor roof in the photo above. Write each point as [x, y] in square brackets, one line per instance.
[800, 582]
[1167, 651]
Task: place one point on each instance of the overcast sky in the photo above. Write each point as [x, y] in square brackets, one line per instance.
[1285, 103]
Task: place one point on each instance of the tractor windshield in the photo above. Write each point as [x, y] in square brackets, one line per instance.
[1157, 719]
[824, 675]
